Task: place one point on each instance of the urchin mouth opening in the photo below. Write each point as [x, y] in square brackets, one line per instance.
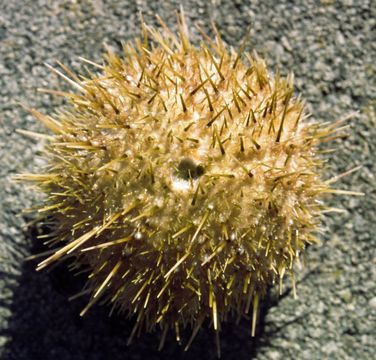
[189, 170]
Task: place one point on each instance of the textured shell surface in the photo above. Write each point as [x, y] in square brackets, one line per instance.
[185, 179]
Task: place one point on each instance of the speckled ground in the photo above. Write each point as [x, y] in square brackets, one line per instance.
[330, 46]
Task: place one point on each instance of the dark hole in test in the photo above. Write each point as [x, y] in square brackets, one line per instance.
[188, 169]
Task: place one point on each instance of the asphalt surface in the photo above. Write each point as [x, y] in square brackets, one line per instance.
[331, 48]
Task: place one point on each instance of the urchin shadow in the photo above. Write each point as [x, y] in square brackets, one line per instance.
[44, 324]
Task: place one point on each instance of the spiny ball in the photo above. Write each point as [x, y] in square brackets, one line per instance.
[184, 179]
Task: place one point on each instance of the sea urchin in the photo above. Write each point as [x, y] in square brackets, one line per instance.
[184, 179]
